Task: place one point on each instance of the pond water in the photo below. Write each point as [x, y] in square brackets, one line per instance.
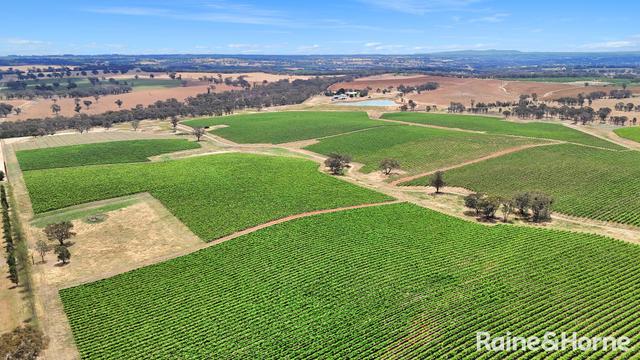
[369, 103]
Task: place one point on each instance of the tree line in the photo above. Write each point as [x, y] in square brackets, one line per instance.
[282, 92]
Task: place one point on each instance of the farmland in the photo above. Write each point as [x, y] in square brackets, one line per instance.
[418, 149]
[212, 195]
[84, 83]
[101, 153]
[585, 182]
[631, 133]
[282, 127]
[493, 125]
[418, 285]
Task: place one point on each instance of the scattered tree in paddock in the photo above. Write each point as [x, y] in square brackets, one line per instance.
[5, 109]
[55, 108]
[63, 253]
[87, 103]
[540, 207]
[17, 110]
[59, 231]
[412, 105]
[507, 208]
[603, 113]
[174, 123]
[77, 108]
[437, 181]
[472, 201]
[489, 206]
[135, 124]
[522, 202]
[42, 248]
[198, 132]
[388, 165]
[337, 163]
[119, 103]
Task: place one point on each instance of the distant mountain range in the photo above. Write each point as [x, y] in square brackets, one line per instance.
[467, 62]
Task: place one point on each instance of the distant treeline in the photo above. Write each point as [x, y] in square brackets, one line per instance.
[282, 92]
[528, 107]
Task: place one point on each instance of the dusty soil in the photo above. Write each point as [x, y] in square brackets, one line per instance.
[456, 89]
[39, 108]
[15, 310]
[146, 233]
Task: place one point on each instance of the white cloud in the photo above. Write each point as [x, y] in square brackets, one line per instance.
[222, 12]
[630, 43]
[419, 7]
[494, 18]
[17, 41]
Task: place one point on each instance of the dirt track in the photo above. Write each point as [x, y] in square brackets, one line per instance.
[454, 89]
[490, 156]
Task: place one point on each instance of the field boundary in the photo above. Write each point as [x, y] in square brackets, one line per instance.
[625, 148]
[480, 159]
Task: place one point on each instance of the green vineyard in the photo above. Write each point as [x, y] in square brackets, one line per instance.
[100, 153]
[213, 195]
[631, 133]
[585, 182]
[418, 149]
[287, 126]
[393, 281]
[492, 125]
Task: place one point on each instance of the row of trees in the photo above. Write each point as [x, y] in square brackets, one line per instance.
[278, 93]
[428, 86]
[529, 205]
[580, 99]
[70, 89]
[10, 245]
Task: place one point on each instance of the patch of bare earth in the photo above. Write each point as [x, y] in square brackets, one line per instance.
[40, 108]
[141, 234]
[456, 89]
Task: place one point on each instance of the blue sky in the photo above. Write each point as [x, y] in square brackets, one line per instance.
[314, 27]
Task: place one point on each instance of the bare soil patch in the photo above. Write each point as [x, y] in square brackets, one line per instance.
[139, 235]
[40, 108]
[456, 89]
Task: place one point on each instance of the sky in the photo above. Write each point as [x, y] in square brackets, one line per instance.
[31, 27]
